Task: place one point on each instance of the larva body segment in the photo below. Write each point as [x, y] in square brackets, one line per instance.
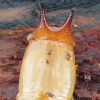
[48, 67]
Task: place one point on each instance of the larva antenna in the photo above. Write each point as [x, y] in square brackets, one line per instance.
[27, 25]
[68, 20]
[42, 21]
[76, 6]
[33, 6]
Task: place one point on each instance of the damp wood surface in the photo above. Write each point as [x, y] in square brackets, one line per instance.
[86, 32]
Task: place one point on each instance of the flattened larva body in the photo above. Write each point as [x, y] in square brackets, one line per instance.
[48, 69]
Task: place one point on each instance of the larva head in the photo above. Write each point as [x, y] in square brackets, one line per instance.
[48, 32]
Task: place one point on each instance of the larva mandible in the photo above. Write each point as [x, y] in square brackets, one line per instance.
[48, 67]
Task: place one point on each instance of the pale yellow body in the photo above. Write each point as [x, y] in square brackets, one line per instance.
[47, 71]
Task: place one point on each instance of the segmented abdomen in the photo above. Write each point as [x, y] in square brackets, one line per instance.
[47, 71]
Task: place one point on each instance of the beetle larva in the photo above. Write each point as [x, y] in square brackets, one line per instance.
[48, 67]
